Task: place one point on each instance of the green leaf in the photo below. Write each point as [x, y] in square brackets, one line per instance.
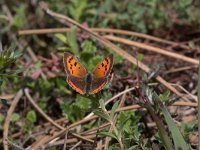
[112, 113]
[7, 58]
[31, 116]
[101, 114]
[192, 45]
[83, 102]
[15, 117]
[108, 134]
[121, 127]
[176, 134]
[117, 58]
[1, 81]
[140, 57]
[185, 3]
[4, 102]
[71, 40]
[76, 9]
[61, 37]
[1, 119]
[164, 96]
[93, 61]
[88, 47]
[67, 111]
[102, 104]
[19, 19]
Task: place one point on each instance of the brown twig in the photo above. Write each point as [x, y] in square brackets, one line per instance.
[15, 146]
[153, 49]
[173, 70]
[69, 141]
[94, 130]
[82, 138]
[103, 30]
[41, 111]
[65, 141]
[8, 118]
[45, 125]
[76, 145]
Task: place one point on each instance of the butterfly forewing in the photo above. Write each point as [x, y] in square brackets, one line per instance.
[73, 67]
[103, 69]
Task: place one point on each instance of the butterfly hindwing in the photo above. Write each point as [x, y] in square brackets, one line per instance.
[77, 84]
[97, 85]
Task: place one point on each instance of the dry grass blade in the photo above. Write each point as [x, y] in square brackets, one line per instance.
[103, 30]
[65, 141]
[8, 119]
[41, 111]
[76, 145]
[152, 48]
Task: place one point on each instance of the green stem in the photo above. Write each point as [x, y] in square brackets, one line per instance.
[163, 134]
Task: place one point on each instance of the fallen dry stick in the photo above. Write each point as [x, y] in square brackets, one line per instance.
[8, 119]
[152, 48]
[103, 30]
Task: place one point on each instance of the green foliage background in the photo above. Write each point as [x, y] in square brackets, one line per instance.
[151, 17]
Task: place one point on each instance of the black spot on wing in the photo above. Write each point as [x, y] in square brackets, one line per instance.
[70, 59]
[106, 60]
[102, 64]
[75, 63]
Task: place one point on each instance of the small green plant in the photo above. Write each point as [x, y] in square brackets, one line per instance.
[30, 119]
[103, 113]
[7, 57]
[76, 8]
[19, 21]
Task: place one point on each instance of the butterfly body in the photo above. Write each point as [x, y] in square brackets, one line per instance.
[82, 81]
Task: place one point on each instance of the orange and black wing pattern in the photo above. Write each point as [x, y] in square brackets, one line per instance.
[101, 73]
[76, 73]
[104, 68]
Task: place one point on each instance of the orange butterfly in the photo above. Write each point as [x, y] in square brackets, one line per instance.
[82, 81]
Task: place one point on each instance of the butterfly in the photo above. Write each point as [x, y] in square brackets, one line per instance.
[82, 81]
